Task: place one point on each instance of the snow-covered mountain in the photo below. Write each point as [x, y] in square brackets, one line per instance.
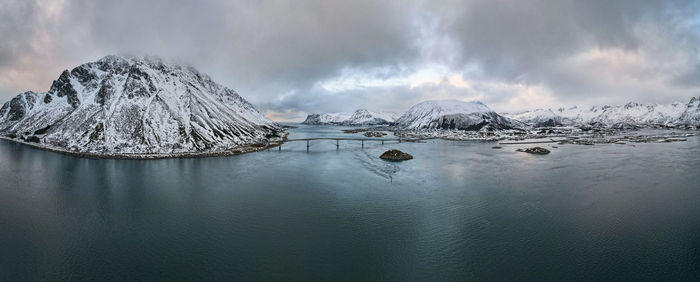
[453, 114]
[628, 115]
[359, 117]
[365, 117]
[135, 105]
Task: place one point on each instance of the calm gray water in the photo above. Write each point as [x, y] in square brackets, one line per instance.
[457, 211]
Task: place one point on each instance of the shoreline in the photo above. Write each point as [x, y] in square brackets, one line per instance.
[136, 156]
[569, 137]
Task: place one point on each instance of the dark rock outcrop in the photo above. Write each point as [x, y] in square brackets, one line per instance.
[395, 155]
[535, 150]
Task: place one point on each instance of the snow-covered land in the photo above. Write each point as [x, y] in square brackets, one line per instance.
[359, 117]
[628, 115]
[130, 105]
[453, 114]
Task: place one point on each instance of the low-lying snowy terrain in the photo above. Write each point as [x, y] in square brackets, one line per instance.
[129, 105]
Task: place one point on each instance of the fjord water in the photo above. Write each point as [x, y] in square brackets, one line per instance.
[457, 211]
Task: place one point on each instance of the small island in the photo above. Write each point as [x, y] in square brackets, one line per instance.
[534, 150]
[395, 155]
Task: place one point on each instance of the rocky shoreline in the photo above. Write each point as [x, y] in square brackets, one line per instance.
[574, 135]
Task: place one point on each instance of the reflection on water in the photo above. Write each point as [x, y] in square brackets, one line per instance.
[457, 211]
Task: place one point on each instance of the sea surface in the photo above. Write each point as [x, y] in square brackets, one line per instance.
[457, 211]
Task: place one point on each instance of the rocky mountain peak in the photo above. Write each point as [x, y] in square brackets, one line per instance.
[136, 105]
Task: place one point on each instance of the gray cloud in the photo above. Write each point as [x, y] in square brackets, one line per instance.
[279, 54]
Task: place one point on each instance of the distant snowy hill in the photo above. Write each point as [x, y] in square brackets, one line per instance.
[135, 105]
[628, 115]
[538, 117]
[453, 114]
[326, 118]
[359, 117]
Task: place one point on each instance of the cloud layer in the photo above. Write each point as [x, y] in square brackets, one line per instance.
[295, 57]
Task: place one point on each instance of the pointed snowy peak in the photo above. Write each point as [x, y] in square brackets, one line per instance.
[366, 117]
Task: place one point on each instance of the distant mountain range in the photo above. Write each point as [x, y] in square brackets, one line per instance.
[459, 115]
[359, 117]
[630, 115]
[135, 106]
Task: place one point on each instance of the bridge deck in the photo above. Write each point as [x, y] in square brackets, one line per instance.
[338, 139]
[356, 139]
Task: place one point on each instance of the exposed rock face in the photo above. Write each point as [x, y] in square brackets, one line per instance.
[395, 155]
[452, 114]
[535, 150]
[136, 105]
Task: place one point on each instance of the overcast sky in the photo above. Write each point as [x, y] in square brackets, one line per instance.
[294, 57]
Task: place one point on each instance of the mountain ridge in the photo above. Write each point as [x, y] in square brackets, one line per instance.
[631, 114]
[358, 117]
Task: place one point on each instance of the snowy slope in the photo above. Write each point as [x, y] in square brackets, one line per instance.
[359, 117]
[366, 117]
[135, 105]
[453, 114]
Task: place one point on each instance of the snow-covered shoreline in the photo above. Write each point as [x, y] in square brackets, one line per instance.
[137, 156]
[568, 132]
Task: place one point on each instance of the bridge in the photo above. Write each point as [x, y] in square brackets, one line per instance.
[337, 141]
